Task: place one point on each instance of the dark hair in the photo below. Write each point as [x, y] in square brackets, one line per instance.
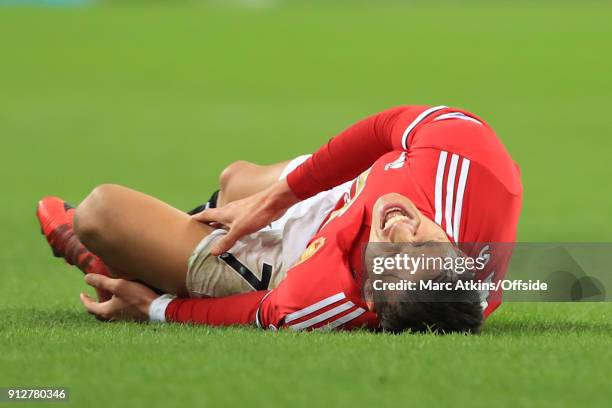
[430, 310]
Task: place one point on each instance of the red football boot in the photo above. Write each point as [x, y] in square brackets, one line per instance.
[56, 220]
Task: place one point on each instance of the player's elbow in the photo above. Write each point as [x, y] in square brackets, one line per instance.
[94, 213]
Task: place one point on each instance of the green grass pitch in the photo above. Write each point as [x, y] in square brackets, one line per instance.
[160, 96]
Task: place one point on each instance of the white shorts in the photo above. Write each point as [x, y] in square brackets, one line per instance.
[260, 260]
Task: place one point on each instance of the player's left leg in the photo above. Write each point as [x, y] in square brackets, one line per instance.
[139, 235]
[241, 179]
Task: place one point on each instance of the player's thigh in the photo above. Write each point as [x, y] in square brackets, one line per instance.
[139, 235]
[242, 179]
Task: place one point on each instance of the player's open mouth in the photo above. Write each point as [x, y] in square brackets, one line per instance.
[393, 213]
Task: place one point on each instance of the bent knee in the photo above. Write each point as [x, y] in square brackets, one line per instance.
[233, 171]
[96, 212]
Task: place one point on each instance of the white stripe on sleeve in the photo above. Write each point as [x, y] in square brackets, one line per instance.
[314, 307]
[344, 319]
[323, 316]
[438, 187]
[450, 189]
[465, 168]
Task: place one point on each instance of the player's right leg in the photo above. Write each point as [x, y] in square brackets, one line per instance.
[238, 180]
[139, 235]
[56, 219]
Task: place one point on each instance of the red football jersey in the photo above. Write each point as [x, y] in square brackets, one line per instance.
[450, 183]
[448, 162]
[452, 166]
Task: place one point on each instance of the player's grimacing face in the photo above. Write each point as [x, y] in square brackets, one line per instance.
[396, 219]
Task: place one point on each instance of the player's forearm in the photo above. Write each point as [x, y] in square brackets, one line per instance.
[225, 311]
[347, 155]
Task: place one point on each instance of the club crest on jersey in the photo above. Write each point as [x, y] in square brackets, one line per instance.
[312, 249]
[397, 163]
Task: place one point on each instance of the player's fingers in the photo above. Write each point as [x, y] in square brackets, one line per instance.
[103, 295]
[101, 282]
[225, 243]
[93, 307]
[210, 215]
[217, 225]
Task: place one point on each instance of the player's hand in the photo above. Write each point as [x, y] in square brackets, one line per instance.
[248, 215]
[130, 300]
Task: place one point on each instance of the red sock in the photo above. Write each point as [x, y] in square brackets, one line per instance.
[67, 245]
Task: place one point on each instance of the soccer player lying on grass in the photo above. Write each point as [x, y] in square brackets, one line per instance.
[435, 175]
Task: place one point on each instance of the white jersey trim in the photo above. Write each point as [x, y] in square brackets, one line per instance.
[344, 319]
[257, 321]
[465, 168]
[415, 122]
[157, 308]
[314, 307]
[438, 187]
[457, 115]
[450, 193]
[323, 316]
